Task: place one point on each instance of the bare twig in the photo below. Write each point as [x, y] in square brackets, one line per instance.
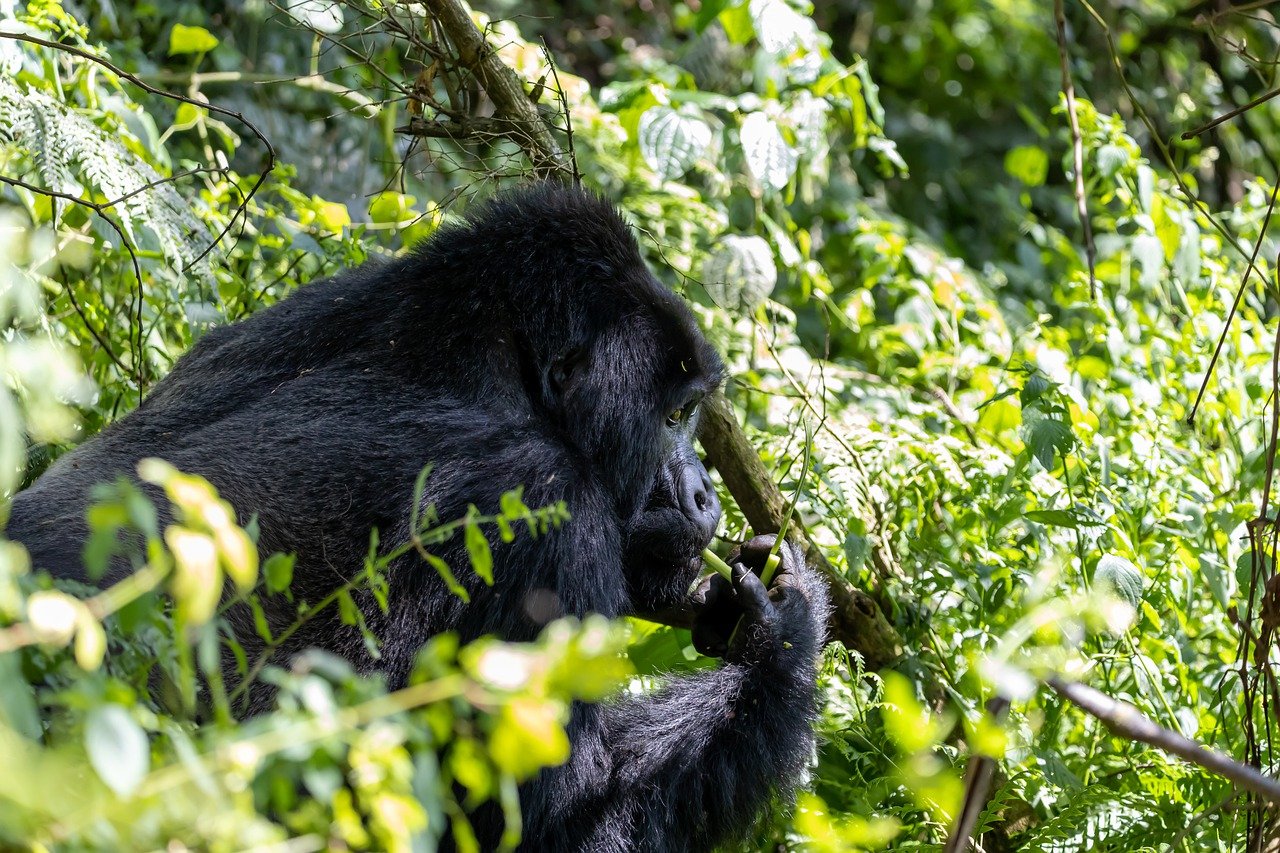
[1128, 722]
[1235, 304]
[466, 128]
[364, 105]
[1077, 146]
[568, 113]
[1230, 114]
[977, 784]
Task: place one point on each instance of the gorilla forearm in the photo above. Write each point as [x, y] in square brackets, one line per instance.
[688, 767]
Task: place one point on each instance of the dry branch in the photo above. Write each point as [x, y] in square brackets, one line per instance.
[1128, 722]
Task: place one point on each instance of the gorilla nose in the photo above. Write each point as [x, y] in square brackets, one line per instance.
[699, 502]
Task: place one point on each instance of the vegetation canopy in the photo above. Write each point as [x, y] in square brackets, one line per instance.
[995, 289]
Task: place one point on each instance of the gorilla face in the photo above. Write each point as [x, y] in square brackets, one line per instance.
[617, 362]
[665, 539]
[646, 375]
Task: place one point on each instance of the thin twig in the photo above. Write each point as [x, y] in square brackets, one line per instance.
[1230, 114]
[568, 114]
[1235, 304]
[1077, 146]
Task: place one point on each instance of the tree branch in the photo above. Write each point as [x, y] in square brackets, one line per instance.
[1128, 722]
[855, 619]
[503, 86]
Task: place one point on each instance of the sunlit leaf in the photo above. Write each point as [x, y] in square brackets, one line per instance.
[771, 160]
[740, 273]
[1121, 577]
[118, 748]
[671, 141]
[185, 39]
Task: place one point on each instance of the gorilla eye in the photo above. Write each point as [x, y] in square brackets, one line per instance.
[564, 370]
[675, 417]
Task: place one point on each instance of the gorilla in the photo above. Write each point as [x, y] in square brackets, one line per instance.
[527, 345]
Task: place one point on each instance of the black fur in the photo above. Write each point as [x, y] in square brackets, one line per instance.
[528, 345]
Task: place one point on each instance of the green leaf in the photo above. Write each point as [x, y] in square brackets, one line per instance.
[1034, 388]
[857, 549]
[1044, 435]
[671, 141]
[390, 207]
[478, 552]
[347, 609]
[185, 39]
[1149, 254]
[187, 116]
[769, 158]
[1028, 163]
[780, 28]
[708, 13]
[528, 735]
[1070, 518]
[118, 748]
[740, 273]
[1111, 159]
[737, 24]
[323, 16]
[260, 624]
[18, 709]
[1122, 577]
[446, 574]
[278, 571]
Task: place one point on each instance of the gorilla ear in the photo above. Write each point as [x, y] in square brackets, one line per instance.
[566, 369]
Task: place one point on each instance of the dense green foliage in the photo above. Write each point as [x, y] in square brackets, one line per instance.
[872, 211]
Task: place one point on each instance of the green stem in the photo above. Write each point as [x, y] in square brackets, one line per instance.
[722, 568]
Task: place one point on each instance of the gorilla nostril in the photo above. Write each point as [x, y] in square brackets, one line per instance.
[700, 499]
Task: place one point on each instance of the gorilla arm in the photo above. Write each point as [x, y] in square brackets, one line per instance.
[693, 764]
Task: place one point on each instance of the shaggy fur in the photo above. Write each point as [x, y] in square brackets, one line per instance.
[527, 345]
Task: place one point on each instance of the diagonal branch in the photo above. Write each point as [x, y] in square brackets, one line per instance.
[504, 87]
[1128, 722]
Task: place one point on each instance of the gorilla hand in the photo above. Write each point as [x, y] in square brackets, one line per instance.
[744, 623]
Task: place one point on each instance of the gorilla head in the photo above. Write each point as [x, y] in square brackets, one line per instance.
[608, 355]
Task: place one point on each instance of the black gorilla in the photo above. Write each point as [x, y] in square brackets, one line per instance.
[528, 345]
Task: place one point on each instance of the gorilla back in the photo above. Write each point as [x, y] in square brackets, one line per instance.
[527, 345]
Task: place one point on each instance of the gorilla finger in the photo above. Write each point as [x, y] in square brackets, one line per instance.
[752, 595]
[709, 589]
[755, 551]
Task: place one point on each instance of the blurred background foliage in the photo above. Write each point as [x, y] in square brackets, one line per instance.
[871, 205]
